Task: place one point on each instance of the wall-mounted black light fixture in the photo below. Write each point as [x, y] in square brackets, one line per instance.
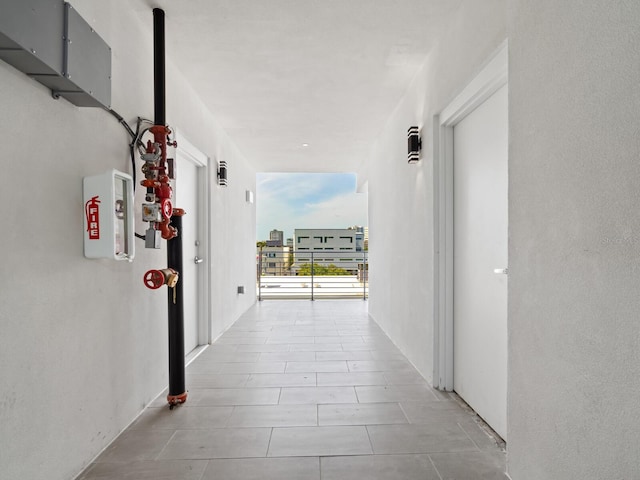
[414, 144]
[222, 173]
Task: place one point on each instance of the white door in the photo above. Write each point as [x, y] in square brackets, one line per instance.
[480, 222]
[187, 197]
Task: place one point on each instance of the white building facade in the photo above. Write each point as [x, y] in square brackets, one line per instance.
[328, 246]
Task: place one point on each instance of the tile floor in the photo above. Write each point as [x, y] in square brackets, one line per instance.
[304, 390]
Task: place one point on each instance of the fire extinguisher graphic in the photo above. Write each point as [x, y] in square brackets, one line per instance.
[92, 212]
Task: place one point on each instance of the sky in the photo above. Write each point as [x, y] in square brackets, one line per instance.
[286, 201]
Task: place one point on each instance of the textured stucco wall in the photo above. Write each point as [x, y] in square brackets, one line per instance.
[83, 343]
[574, 371]
[401, 195]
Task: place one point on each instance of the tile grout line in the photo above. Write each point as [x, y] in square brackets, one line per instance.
[156, 458]
[266, 455]
[204, 470]
[366, 428]
[434, 467]
[468, 436]
[409, 422]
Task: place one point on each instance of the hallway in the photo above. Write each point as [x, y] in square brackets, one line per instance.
[304, 390]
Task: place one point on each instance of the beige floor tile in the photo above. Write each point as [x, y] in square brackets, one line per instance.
[288, 357]
[147, 470]
[378, 467]
[361, 414]
[204, 380]
[470, 466]
[255, 367]
[274, 416]
[183, 417]
[235, 396]
[395, 393]
[316, 395]
[344, 355]
[293, 468]
[351, 379]
[217, 443]
[391, 439]
[281, 380]
[328, 366]
[136, 446]
[319, 441]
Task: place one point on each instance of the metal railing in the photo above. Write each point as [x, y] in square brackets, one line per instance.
[313, 275]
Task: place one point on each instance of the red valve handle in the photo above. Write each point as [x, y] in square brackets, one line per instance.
[153, 279]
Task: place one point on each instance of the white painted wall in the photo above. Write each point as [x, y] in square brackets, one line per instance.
[83, 343]
[401, 195]
[574, 373]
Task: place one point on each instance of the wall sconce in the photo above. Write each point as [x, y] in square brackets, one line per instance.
[414, 144]
[248, 196]
[222, 173]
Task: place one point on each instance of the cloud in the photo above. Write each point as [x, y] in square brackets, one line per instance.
[302, 200]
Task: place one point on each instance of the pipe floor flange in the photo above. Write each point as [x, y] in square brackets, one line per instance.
[174, 400]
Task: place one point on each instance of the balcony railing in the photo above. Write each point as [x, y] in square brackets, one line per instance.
[313, 275]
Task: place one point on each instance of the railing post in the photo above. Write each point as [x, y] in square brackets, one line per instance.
[364, 275]
[260, 276]
[312, 267]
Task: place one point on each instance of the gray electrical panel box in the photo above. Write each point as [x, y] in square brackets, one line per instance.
[49, 41]
[31, 35]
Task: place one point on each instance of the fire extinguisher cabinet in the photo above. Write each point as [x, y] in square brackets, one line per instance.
[108, 216]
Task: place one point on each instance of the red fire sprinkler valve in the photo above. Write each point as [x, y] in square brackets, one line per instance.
[159, 207]
[155, 279]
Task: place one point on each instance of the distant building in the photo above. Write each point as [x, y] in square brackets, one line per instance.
[275, 260]
[330, 246]
[276, 238]
[362, 238]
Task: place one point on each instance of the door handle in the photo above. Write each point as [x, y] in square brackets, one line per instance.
[198, 260]
[503, 271]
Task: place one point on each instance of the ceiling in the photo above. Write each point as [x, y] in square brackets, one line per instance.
[301, 85]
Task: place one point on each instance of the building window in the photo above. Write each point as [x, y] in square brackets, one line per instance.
[302, 238]
[318, 238]
[272, 264]
[347, 238]
[327, 238]
[303, 248]
[271, 255]
[317, 248]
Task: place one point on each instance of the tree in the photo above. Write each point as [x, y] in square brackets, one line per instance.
[260, 245]
[321, 270]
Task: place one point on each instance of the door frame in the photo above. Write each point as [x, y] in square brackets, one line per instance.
[190, 152]
[492, 77]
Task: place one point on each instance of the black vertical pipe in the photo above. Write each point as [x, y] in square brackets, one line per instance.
[176, 317]
[177, 390]
[159, 101]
